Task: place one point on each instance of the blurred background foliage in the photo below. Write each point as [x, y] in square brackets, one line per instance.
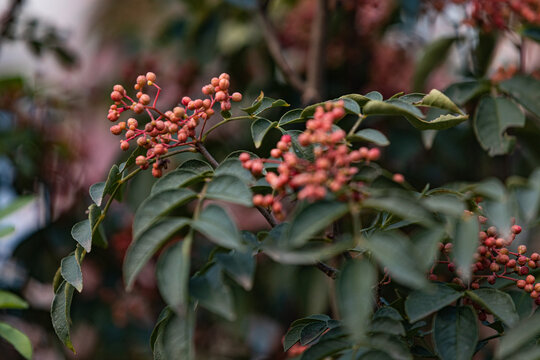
[54, 139]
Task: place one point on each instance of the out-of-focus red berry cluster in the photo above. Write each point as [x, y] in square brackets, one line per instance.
[332, 166]
[169, 129]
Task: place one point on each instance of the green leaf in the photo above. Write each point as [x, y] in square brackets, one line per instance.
[387, 326]
[412, 114]
[131, 159]
[292, 337]
[238, 265]
[493, 117]
[60, 309]
[172, 274]
[291, 117]
[447, 204]
[437, 99]
[426, 245]
[387, 312]
[324, 349]
[465, 244]
[234, 167]
[303, 152]
[523, 303]
[434, 55]
[210, 291]
[455, 332]
[370, 135]
[404, 207]
[312, 219]
[259, 129]
[256, 104]
[518, 337]
[463, 92]
[421, 303]
[99, 190]
[70, 269]
[144, 247]
[96, 192]
[174, 336]
[190, 172]
[163, 317]
[229, 188]
[82, 233]
[354, 296]
[11, 301]
[312, 331]
[157, 205]
[18, 339]
[388, 248]
[497, 302]
[216, 225]
[525, 90]
[269, 103]
[391, 345]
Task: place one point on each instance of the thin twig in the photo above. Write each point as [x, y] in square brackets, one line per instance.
[275, 50]
[9, 18]
[327, 269]
[315, 69]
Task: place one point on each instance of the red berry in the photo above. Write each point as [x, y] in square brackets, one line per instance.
[516, 229]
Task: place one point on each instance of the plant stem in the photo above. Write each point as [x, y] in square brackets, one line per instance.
[224, 121]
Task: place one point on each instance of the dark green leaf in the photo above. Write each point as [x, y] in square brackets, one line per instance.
[131, 159]
[82, 233]
[216, 225]
[98, 234]
[174, 338]
[516, 338]
[145, 246]
[229, 188]
[96, 192]
[290, 117]
[497, 302]
[426, 246]
[256, 104]
[370, 135]
[172, 274]
[493, 117]
[405, 207]
[163, 317]
[156, 206]
[465, 243]
[312, 219]
[303, 152]
[210, 291]
[455, 333]
[388, 248]
[525, 90]
[234, 167]
[523, 303]
[387, 312]
[238, 265]
[354, 296]
[434, 55]
[437, 99]
[421, 303]
[447, 204]
[259, 129]
[387, 326]
[19, 340]
[312, 331]
[532, 32]
[463, 92]
[324, 349]
[188, 173]
[71, 269]
[60, 310]
[11, 301]
[292, 337]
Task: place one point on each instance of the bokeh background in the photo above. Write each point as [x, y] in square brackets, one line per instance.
[58, 62]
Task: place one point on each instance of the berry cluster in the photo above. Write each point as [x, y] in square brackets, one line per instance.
[497, 14]
[169, 129]
[493, 260]
[331, 168]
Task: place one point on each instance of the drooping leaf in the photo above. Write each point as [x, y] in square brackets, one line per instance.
[99, 190]
[421, 303]
[404, 207]
[354, 296]
[156, 206]
[312, 219]
[229, 188]
[18, 339]
[292, 337]
[70, 269]
[497, 302]
[82, 233]
[518, 337]
[211, 293]
[463, 92]
[370, 135]
[269, 103]
[238, 265]
[465, 243]
[146, 245]
[172, 274]
[525, 90]
[312, 331]
[96, 192]
[290, 117]
[174, 336]
[11, 301]
[163, 317]
[60, 313]
[455, 332]
[388, 248]
[216, 225]
[98, 234]
[493, 117]
[259, 129]
[434, 55]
